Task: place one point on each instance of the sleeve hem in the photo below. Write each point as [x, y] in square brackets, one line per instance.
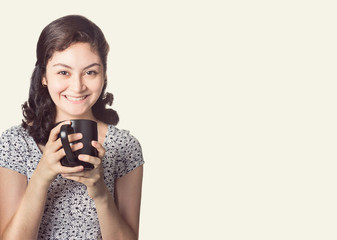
[129, 170]
[15, 170]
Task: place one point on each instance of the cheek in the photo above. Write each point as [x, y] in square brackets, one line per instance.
[97, 87]
[56, 87]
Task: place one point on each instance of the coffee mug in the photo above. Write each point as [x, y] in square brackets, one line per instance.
[88, 129]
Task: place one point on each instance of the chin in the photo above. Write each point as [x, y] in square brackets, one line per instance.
[78, 115]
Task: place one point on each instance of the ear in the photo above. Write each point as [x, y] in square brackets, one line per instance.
[44, 81]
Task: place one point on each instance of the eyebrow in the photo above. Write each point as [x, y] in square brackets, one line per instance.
[66, 66]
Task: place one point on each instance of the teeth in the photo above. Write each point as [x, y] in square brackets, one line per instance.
[74, 98]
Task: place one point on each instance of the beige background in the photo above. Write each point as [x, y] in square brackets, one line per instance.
[234, 103]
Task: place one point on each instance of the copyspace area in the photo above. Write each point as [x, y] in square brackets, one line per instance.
[234, 103]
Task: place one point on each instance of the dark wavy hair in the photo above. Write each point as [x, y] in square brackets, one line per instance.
[39, 111]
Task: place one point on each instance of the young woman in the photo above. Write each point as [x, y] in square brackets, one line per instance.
[40, 198]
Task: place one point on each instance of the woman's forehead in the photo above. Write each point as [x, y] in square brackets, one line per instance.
[77, 54]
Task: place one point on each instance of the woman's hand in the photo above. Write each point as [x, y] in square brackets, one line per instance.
[93, 178]
[50, 166]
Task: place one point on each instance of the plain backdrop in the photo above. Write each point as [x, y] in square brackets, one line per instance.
[234, 103]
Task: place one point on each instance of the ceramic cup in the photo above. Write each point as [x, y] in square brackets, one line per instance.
[88, 129]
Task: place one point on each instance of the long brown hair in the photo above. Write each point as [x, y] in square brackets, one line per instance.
[39, 111]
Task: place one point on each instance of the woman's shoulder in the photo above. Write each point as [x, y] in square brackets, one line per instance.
[14, 149]
[14, 132]
[119, 135]
[125, 148]
[121, 140]
[15, 137]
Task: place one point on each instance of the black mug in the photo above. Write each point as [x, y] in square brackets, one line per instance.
[88, 129]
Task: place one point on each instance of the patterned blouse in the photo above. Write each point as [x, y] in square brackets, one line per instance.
[69, 211]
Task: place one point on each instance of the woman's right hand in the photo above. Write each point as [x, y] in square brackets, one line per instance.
[50, 166]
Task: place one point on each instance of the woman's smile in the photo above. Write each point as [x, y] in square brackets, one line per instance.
[76, 99]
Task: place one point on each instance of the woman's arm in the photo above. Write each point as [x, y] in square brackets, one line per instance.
[128, 191]
[22, 204]
[120, 218]
[12, 188]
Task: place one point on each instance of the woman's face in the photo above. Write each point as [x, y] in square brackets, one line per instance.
[75, 78]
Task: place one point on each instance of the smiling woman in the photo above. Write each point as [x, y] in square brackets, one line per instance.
[39, 197]
[56, 47]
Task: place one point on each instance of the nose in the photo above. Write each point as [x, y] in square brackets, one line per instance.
[77, 84]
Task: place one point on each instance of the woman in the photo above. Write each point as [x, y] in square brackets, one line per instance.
[40, 198]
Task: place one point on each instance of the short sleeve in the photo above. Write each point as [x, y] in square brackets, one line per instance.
[132, 156]
[10, 151]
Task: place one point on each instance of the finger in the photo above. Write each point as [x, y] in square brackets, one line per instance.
[56, 145]
[60, 153]
[56, 131]
[70, 177]
[90, 159]
[74, 174]
[69, 170]
[83, 174]
[100, 148]
[84, 177]
[74, 147]
[79, 179]
[75, 137]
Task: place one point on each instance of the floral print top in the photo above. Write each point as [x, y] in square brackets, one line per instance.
[69, 211]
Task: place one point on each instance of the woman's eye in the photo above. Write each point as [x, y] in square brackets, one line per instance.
[91, 72]
[63, 73]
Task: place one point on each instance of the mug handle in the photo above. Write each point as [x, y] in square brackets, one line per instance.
[65, 143]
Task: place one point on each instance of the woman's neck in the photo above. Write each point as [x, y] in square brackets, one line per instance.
[63, 117]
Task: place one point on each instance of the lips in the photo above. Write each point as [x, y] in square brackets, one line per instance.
[75, 99]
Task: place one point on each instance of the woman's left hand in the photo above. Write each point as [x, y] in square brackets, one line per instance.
[93, 178]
